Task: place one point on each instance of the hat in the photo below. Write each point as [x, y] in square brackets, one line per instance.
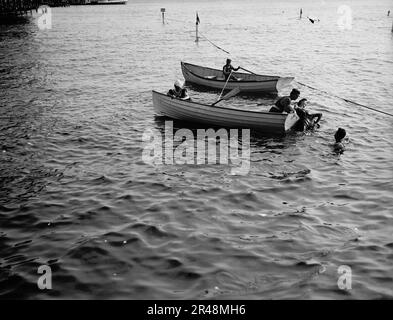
[295, 91]
[340, 134]
[179, 83]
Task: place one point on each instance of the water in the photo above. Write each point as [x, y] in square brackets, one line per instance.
[76, 195]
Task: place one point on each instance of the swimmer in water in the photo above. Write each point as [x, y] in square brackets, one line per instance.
[307, 120]
[339, 136]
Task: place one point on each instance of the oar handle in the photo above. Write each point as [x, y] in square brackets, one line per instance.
[247, 70]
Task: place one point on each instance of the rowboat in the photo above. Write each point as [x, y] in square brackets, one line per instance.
[190, 111]
[247, 82]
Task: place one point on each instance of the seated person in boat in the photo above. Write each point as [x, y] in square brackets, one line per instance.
[307, 120]
[179, 91]
[284, 103]
[227, 69]
[339, 136]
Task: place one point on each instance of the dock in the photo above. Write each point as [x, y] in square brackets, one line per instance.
[18, 8]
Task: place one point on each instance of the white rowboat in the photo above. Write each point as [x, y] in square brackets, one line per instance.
[191, 111]
[251, 83]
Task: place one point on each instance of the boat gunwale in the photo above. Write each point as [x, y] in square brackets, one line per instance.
[183, 64]
[274, 114]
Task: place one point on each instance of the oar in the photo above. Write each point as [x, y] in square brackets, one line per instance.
[230, 94]
[226, 82]
[247, 70]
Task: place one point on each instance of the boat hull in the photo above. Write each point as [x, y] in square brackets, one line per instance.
[190, 111]
[213, 78]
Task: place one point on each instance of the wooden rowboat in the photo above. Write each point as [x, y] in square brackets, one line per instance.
[191, 111]
[214, 79]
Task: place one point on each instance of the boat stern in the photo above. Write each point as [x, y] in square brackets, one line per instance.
[284, 83]
[157, 104]
[290, 121]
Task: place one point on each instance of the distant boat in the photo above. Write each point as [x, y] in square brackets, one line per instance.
[247, 82]
[108, 1]
[190, 111]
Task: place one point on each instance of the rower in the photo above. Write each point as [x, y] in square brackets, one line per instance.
[179, 91]
[227, 69]
[284, 103]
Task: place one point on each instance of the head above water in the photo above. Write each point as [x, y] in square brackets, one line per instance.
[178, 84]
[340, 134]
[229, 61]
[302, 103]
[295, 93]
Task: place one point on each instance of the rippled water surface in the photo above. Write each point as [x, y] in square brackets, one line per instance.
[76, 195]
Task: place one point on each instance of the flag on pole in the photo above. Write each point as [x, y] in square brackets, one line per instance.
[197, 19]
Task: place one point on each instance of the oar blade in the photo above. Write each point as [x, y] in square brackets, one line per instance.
[230, 94]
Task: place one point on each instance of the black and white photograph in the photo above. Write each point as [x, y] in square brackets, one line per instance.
[210, 151]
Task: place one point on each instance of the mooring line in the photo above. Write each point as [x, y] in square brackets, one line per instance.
[346, 100]
[218, 47]
[211, 42]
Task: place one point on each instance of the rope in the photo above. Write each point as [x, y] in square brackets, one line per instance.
[346, 100]
[211, 42]
[214, 43]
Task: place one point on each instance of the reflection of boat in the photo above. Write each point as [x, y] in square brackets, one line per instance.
[213, 78]
[108, 1]
[190, 111]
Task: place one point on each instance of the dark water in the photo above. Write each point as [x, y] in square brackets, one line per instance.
[76, 195]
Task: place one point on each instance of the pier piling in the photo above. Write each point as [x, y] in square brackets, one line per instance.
[196, 28]
[163, 15]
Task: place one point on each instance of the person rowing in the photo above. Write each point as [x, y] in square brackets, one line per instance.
[228, 69]
[283, 104]
[306, 119]
[179, 91]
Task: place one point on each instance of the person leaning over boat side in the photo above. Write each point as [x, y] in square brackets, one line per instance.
[284, 103]
[179, 91]
[306, 119]
[227, 69]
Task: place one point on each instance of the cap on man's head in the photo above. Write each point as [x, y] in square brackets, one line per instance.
[179, 83]
[340, 134]
[229, 60]
[295, 91]
[301, 101]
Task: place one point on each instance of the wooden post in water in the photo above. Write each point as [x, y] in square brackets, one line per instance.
[196, 28]
[163, 15]
[196, 33]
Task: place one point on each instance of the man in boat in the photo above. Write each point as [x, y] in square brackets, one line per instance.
[283, 104]
[179, 91]
[227, 69]
[306, 119]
